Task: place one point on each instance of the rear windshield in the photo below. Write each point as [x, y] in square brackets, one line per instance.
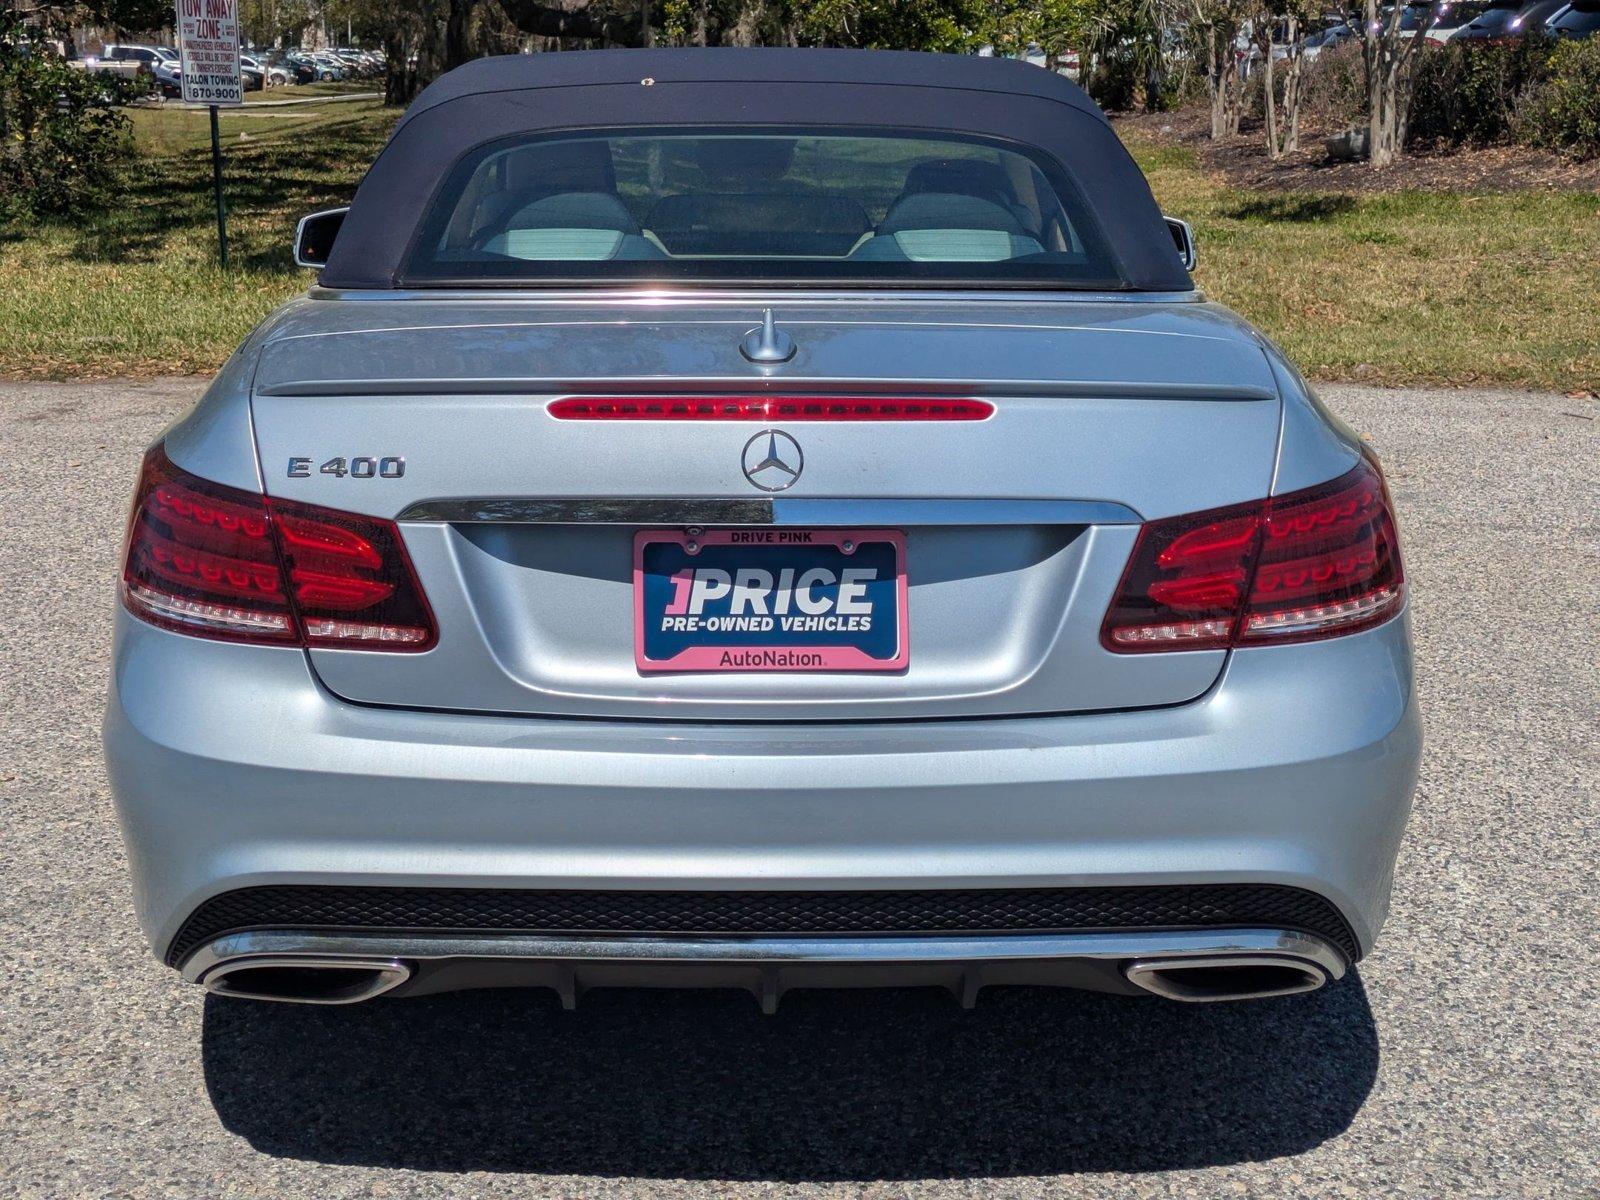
[793, 205]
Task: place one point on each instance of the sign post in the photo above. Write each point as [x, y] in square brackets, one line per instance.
[208, 42]
[216, 187]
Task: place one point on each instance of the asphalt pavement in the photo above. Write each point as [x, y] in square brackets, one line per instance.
[1460, 1059]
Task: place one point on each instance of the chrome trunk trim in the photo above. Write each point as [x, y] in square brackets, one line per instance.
[814, 511]
[556, 387]
[647, 295]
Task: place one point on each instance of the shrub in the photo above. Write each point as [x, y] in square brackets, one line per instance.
[1466, 92]
[61, 136]
[1112, 83]
[1563, 112]
[1333, 90]
[1118, 84]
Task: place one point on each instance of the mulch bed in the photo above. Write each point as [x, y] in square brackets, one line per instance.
[1243, 162]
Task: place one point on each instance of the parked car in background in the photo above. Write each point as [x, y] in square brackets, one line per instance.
[917, 583]
[330, 68]
[169, 71]
[145, 57]
[1494, 22]
[1414, 18]
[1450, 17]
[162, 62]
[302, 68]
[1578, 20]
[359, 62]
[270, 76]
[1067, 63]
[1335, 34]
[1533, 19]
[123, 68]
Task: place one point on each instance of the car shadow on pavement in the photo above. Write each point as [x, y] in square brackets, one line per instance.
[843, 1085]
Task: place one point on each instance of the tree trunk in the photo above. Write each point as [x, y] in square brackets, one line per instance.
[1155, 86]
[1270, 101]
[1382, 144]
[1232, 92]
[746, 31]
[1222, 81]
[1269, 82]
[1291, 88]
[457, 34]
[1376, 57]
[1387, 58]
[399, 77]
[1216, 85]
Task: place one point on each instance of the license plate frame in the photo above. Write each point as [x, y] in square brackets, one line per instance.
[757, 652]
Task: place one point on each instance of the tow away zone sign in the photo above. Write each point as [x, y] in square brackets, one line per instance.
[208, 40]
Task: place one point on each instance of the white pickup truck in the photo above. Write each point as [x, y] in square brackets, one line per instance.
[129, 61]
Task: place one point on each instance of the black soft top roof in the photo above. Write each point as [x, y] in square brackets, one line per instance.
[529, 94]
[727, 64]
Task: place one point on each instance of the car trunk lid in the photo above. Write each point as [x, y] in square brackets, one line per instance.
[523, 526]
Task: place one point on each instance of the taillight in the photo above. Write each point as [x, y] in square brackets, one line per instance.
[200, 559]
[1309, 564]
[769, 408]
[219, 562]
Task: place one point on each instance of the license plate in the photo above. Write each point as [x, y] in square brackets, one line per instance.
[770, 600]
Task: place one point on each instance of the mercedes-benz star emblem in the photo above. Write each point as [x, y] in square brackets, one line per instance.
[772, 460]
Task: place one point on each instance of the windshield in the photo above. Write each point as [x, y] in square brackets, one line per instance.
[787, 204]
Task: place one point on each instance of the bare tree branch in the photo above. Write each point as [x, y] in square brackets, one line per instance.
[574, 19]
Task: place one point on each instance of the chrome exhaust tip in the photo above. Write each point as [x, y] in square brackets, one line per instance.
[1225, 977]
[296, 980]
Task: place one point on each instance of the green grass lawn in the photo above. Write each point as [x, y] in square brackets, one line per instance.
[1409, 288]
[175, 130]
[136, 290]
[300, 91]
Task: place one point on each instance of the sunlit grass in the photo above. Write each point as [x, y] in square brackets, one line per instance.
[137, 289]
[1406, 288]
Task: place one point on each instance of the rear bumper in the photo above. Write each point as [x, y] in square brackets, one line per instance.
[364, 965]
[232, 768]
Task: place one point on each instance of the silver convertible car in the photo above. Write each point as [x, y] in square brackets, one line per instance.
[759, 519]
